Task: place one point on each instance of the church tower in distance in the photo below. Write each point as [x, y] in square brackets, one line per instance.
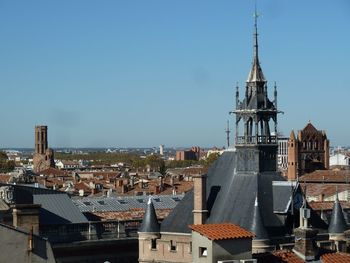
[43, 156]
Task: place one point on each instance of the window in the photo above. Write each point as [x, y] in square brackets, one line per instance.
[203, 252]
[172, 245]
[153, 243]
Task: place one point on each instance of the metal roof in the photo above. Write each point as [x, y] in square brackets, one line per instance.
[125, 203]
[282, 195]
[58, 209]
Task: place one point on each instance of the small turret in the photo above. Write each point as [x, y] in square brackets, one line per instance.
[337, 224]
[261, 239]
[150, 222]
[258, 227]
[149, 233]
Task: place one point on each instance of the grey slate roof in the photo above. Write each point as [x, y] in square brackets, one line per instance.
[282, 195]
[58, 209]
[125, 203]
[231, 198]
[56, 206]
[258, 227]
[150, 222]
[338, 223]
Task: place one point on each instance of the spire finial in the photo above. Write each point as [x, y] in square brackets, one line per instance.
[256, 15]
[336, 194]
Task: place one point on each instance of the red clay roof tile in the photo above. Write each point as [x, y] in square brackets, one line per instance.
[335, 258]
[221, 231]
[287, 256]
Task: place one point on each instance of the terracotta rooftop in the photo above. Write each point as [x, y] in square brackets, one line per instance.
[221, 231]
[327, 176]
[280, 256]
[327, 190]
[335, 258]
[287, 256]
[327, 205]
[131, 214]
[4, 178]
[53, 172]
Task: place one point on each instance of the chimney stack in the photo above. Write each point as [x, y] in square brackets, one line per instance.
[200, 203]
[305, 238]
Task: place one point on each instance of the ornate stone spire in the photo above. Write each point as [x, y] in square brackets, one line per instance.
[256, 74]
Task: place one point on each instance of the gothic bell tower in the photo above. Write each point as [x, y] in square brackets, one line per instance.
[256, 144]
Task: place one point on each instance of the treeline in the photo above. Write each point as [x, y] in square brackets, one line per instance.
[5, 164]
[134, 160]
[99, 157]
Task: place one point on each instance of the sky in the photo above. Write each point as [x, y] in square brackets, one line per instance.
[140, 73]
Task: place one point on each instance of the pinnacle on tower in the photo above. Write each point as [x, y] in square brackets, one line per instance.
[337, 224]
[256, 74]
[150, 222]
[258, 227]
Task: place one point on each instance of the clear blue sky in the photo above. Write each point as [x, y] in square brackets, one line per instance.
[149, 72]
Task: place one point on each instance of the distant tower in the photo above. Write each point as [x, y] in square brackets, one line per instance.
[228, 131]
[40, 139]
[161, 149]
[292, 157]
[307, 152]
[256, 145]
[43, 157]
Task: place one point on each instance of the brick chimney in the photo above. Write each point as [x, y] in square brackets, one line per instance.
[26, 216]
[200, 203]
[305, 238]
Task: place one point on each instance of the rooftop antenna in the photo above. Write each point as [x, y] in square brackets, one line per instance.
[228, 131]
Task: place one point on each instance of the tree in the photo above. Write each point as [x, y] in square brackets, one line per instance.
[211, 159]
[6, 165]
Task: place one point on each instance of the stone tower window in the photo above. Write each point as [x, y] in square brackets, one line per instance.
[172, 245]
[153, 243]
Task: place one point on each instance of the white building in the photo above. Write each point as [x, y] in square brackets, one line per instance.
[282, 154]
[161, 149]
[340, 159]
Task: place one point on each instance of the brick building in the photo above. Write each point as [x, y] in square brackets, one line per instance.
[193, 154]
[43, 157]
[307, 152]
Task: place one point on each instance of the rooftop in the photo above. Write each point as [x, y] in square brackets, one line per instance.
[222, 231]
[335, 258]
[326, 176]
